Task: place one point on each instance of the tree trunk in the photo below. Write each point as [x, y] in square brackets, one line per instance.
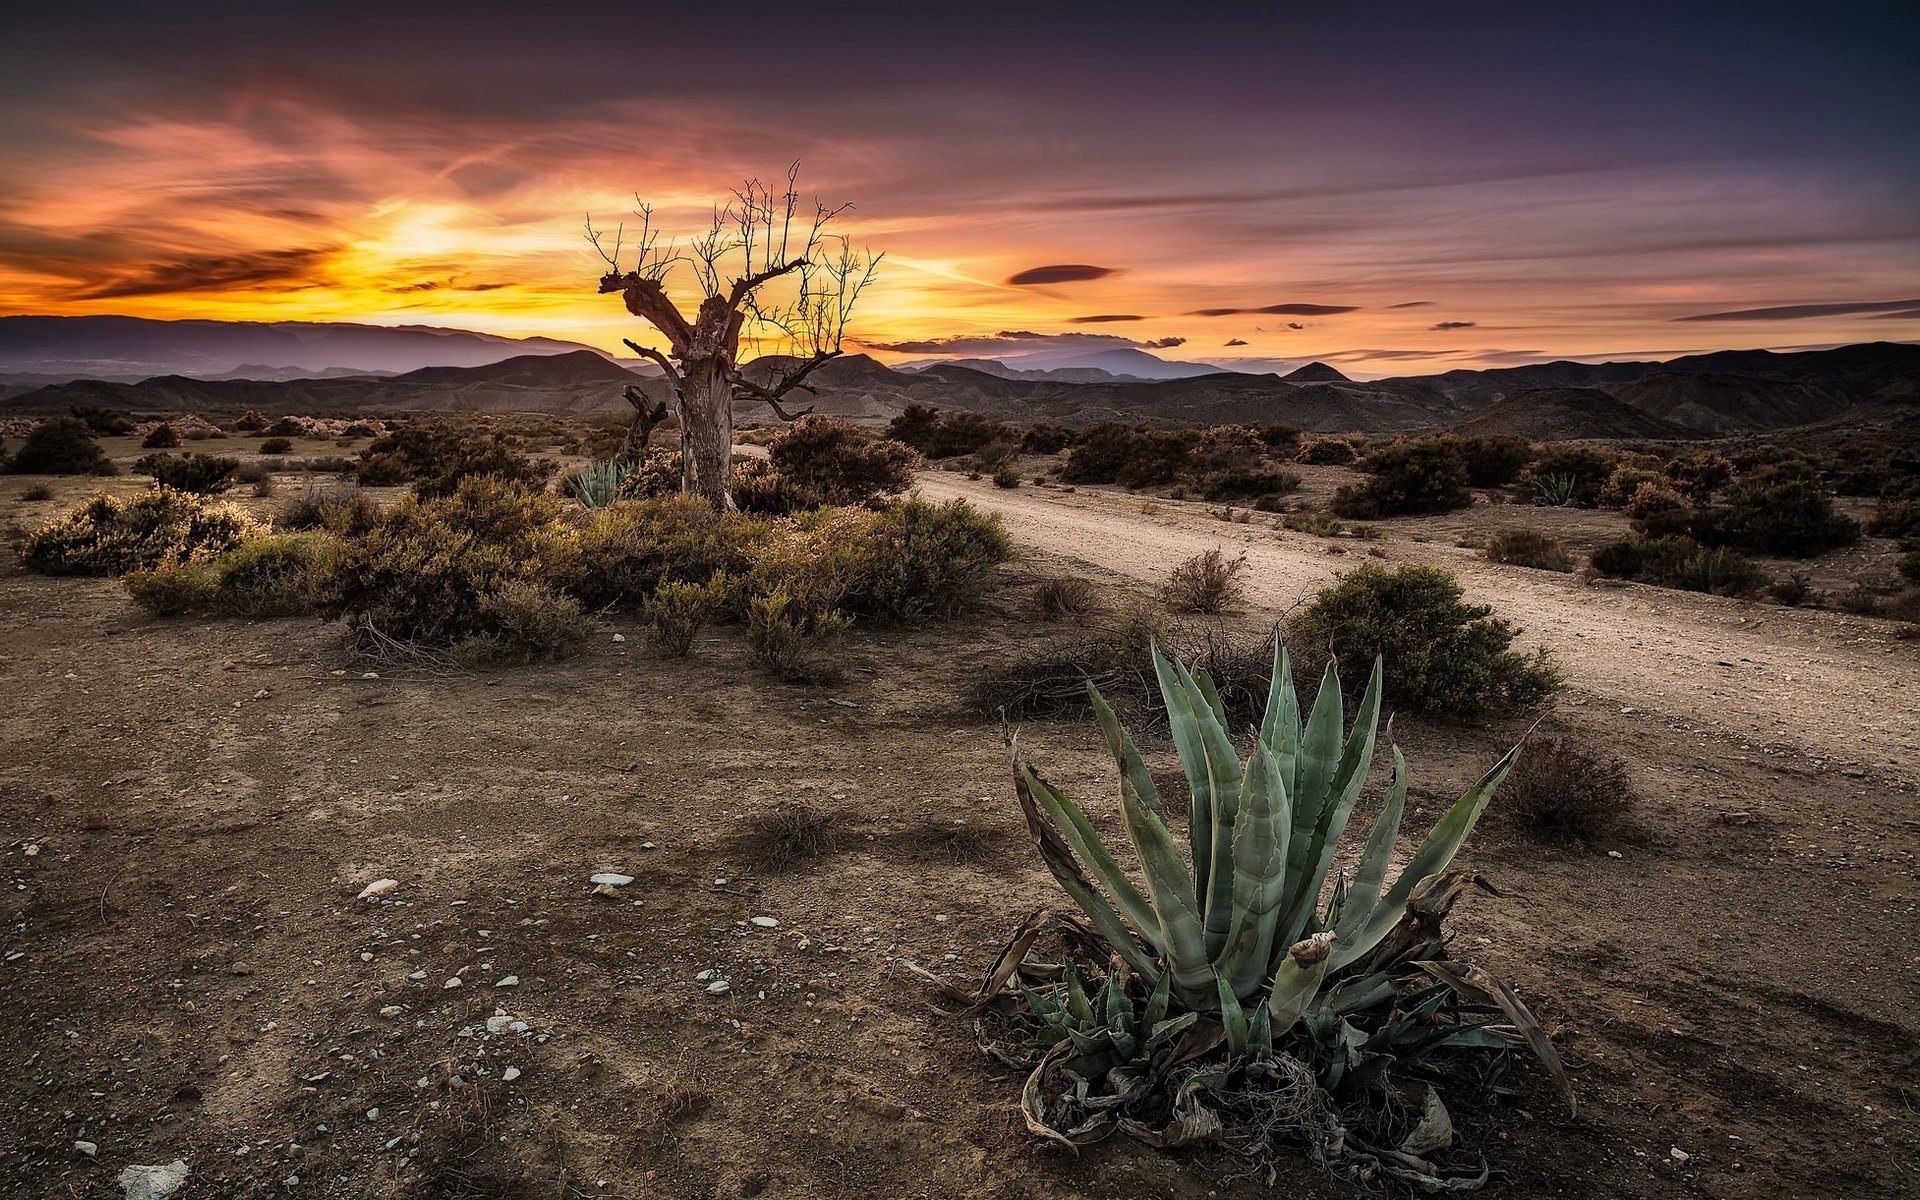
[706, 439]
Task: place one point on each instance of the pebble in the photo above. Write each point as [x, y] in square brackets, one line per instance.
[86, 1149]
[619, 637]
[764, 922]
[370, 675]
[719, 987]
[611, 879]
[391, 1010]
[455, 982]
[153, 1183]
[510, 1074]
[508, 981]
[417, 975]
[373, 1114]
[496, 1023]
[378, 888]
[1615, 854]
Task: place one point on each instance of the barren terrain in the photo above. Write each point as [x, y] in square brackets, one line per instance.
[189, 808]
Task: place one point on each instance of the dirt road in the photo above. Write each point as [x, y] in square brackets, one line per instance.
[1834, 688]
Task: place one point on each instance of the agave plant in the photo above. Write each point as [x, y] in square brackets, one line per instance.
[597, 485]
[1557, 491]
[1249, 929]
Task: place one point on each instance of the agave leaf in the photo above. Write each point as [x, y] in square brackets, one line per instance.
[1364, 895]
[1070, 820]
[1211, 694]
[1260, 835]
[1232, 1018]
[1260, 1023]
[1119, 1009]
[1078, 1005]
[1125, 753]
[1342, 791]
[1059, 859]
[1166, 1031]
[1157, 1003]
[1432, 857]
[1184, 724]
[1280, 726]
[1182, 940]
[1295, 985]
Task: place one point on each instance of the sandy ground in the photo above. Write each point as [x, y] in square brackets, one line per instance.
[189, 808]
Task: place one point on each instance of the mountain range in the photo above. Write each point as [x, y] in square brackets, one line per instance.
[1861, 388]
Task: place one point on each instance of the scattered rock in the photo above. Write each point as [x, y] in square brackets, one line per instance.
[619, 637]
[391, 1010]
[606, 889]
[86, 1149]
[610, 879]
[719, 987]
[153, 1183]
[510, 1074]
[764, 922]
[508, 981]
[454, 982]
[378, 888]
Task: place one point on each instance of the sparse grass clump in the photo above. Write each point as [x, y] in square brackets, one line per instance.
[1006, 476]
[790, 833]
[108, 536]
[1315, 522]
[1896, 517]
[277, 446]
[1209, 582]
[1442, 654]
[62, 446]
[1562, 789]
[1528, 548]
[1792, 589]
[36, 493]
[1064, 596]
[677, 611]
[1327, 452]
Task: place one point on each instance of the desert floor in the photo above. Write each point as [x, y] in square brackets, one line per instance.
[188, 809]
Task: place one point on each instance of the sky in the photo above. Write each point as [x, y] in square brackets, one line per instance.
[1389, 187]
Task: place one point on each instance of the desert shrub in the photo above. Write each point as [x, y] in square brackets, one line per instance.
[788, 833]
[104, 421]
[1007, 476]
[470, 572]
[1581, 472]
[263, 487]
[269, 576]
[1422, 476]
[795, 640]
[1562, 789]
[325, 465]
[677, 611]
[626, 550]
[250, 421]
[1131, 455]
[1442, 654]
[359, 429]
[1227, 448]
[1679, 562]
[108, 536]
[1327, 452]
[838, 463]
[1315, 522]
[1494, 461]
[1279, 439]
[1044, 437]
[1657, 509]
[1896, 518]
[1063, 596]
[1209, 582]
[1698, 475]
[1625, 483]
[161, 437]
[1237, 483]
[1909, 565]
[277, 445]
[37, 493]
[920, 559]
[994, 455]
[437, 458]
[1792, 589]
[1528, 548]
[1862, 600]
[201, 474]
[61, 446]
[287, 427]
[916, 426]
[253, 472]
[1782, 510]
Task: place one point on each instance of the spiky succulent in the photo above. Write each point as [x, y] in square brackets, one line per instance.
[1239, 918]
[598, 484]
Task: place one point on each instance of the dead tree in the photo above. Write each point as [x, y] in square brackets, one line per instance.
[646, 415]
[765, 273]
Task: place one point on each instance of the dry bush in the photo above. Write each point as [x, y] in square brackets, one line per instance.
[794, 638]
[1209, 582]
[276, 446]
[789, 833]
[1792, 589]
[37, 493]
[62, 446]
[677, 611]
[342, 510]
[1050, 679]
[270, 576]
[161, 437]
[1562, 789]
[1315, 522]
[1528, 548]
[1327, 452]
[1064, 596]
[107, 536]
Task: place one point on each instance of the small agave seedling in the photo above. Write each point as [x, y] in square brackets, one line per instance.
[1235, 928]
[598, 484]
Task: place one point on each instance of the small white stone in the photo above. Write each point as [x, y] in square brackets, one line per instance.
[378, 888]
[610, 879]
[391, 1010]
[417, 975]
[455, 982]
[619, 637]
[719, 987]
[764, 922]
[86, 1149]
[510, 1074]
[373, 1114]
[508, 981]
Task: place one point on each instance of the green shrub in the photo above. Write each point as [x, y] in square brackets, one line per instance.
[104, 421]
[1442, 654]
[1657, 509]
[437, 458]
[1896, 518]
[1580, 472]
[1625, 483]
[1782, 510]
[359, 429]
[1327, 452]
[1422, 476]
[161, 437]
[61, 446]
[1698, 475]
[967, 433]
[1528, 548]
[287, 427]
[270, 576]
[626, 550]
[920, 559]
[1792, 590]
[677, 611]
[1135, 455]
[831, 461]
[201, 474]
[916, 426]
[470, 572]
[1494, 461]
[1239, 483]
[1043, 437]
[1679, 562]
[342, 510]
[276, 445]
[1315, 522]
[796, 641]
[108, 536]
[1007, 476]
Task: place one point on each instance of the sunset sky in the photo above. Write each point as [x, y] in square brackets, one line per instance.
[1394, 188]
